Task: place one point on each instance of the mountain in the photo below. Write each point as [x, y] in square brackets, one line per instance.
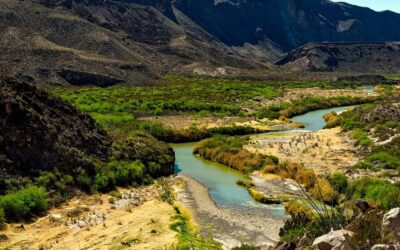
[344, 57]
[42, 134]
[105, 42]
[102, 43]
[289, 24]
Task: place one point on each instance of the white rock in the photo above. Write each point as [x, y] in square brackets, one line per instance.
[391, 224]
[55, 217]
[392, 218]
[334, 240]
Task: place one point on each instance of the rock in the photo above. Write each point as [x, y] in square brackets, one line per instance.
[333, 240]
[383, 247]
[391, 224]
[362, 205]
[303, 243]
[3, 237]
[392, 219]
[285, 246]
[81, 223]
[55, 217]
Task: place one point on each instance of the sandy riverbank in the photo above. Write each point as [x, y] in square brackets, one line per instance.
[324, 151]
[230, 226]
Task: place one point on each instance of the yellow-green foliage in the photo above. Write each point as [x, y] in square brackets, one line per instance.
[323, 190]
[332, 120]
[298, 210]
[229, 151]
[319, 187]
[189, 236]
[268, 199]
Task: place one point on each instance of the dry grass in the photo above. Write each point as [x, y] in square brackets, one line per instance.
[325, 151]
[143, 227]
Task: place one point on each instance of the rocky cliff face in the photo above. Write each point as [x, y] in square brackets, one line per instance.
[40, 133]
[344, 57]
[290, 23]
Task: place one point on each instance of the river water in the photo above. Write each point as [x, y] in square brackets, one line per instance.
[221, 180]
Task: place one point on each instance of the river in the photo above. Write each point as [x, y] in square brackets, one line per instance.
[221, 180]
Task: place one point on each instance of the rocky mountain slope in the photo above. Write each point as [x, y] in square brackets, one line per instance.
[290, 23]
[344, 57]
[136, 41]
[101, 43]
[40, 133]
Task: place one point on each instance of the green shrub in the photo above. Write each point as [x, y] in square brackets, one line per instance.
[378, 191]
[362, 138]
[2, 219]
[127, 172]
[339, 182]
[24, 204]
[102, 182]
[229, 151]
[116, 194]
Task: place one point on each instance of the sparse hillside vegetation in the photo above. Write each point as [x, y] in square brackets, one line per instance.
[47, 143]
[376, 128]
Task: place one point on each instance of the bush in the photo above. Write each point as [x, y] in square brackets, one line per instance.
[229, 151]
[339, 182]
[24, 204]
[332, 120]
[127, 173]
[362, 138]
[2, 219]
[323, 191]
[382, 193]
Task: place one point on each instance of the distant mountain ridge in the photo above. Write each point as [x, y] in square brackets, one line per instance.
[286, 23]
[344, 57]
[104, 42]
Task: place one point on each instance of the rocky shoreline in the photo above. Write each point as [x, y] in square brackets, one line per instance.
[230, 226]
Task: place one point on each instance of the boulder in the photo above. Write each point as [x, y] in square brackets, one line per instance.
[391, 224]
[303, 243]
[392, 219]
[334, 240]
[55, 217]
[383, 247]
[285, 246]
[362, 205]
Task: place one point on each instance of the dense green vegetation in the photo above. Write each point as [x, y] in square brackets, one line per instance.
[117, 108]
[229, 151]
[376, 191]
[23, 204]
[193, 133]
[175, 95]
[305, 105]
